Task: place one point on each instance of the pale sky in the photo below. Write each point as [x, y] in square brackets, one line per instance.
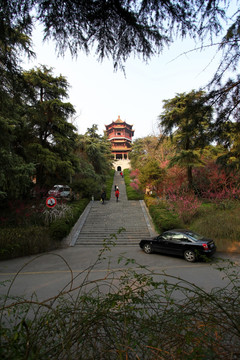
[99, 94]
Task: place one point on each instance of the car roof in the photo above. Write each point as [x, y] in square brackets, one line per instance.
[61, 186]
[183, 231]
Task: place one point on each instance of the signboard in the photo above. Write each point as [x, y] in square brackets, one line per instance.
[51, 202]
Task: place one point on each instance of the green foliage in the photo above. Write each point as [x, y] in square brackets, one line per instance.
[36, 137]
[187, 119]
[24, 241]
[87, 187]
[119, 29]
[97, 150]
[92, 186]
[60, 228]
[152, 175]
[109, 183]
[219, 223]
[15, 175]
[150, 200]
[132, 194]
[163, 218]
[149, 315]
[95, 163]
[50, 138]
[29, 240]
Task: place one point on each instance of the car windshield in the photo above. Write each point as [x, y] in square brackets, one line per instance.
[194, 236]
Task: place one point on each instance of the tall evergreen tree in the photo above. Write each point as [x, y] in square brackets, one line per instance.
[120, 28]
[98, 150]
[15, 172]
[50, 137]
[187, 119]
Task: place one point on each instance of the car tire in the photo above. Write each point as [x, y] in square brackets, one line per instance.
[189, 255]
[147, 248]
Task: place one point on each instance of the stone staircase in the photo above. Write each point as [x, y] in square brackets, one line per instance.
[103, 222]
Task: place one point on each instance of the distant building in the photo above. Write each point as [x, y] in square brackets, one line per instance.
[120, 134]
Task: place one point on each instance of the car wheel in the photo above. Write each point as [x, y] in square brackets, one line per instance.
[147, 248]
[189, 255]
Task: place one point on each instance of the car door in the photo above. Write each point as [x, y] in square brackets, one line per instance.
[161, 243]
[176, 244]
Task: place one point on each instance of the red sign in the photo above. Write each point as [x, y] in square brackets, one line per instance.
[51, 202]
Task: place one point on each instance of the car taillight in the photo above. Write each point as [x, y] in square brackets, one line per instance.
[205, 246]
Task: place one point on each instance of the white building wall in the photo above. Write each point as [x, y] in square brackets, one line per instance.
[123, 163]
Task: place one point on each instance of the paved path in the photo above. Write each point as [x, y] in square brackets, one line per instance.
[99, 221]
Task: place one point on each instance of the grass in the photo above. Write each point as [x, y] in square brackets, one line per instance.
[131, 193]
[109, 184]
[220, 224]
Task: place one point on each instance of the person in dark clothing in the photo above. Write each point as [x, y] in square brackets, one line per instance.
[103, 196]
[117, 194]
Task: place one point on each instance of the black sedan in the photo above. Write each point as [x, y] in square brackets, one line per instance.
[185, 243]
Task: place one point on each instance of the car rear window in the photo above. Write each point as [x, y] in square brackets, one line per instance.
[194, 236]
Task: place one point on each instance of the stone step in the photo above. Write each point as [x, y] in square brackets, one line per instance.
[126, 243]
[115, 230]
[102, 222]
[117, 236]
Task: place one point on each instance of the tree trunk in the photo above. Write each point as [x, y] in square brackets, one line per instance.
[190, 177]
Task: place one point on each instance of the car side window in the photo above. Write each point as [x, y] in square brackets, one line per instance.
[177, 237]
[160, 238]
[167, 237]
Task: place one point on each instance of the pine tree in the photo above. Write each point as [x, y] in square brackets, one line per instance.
[187, 119]
[50, 138]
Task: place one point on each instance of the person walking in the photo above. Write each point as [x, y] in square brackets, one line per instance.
[117, 193]
[103, 196]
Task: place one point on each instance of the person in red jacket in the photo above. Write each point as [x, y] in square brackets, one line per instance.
[117, 193]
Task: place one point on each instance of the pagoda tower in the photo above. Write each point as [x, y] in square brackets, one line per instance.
[120, 134]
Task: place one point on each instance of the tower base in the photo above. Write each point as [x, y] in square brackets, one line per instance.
[121, 164]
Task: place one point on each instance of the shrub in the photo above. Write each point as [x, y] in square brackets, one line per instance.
[60, 228]
[31, 240]
[149, 315]
[22, 213]
[109, 183]
[133, 192]
[185, 204]
[163, 218]
[58, 212]
[150, 200]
